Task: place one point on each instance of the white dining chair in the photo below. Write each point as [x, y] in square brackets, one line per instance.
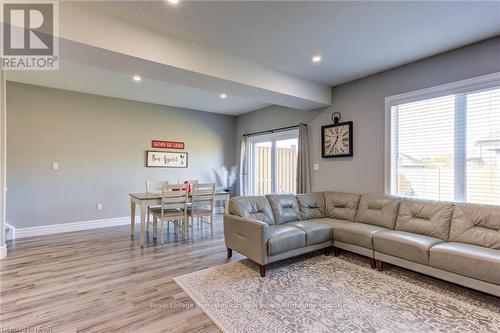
[156, 188]
[190, 185]
[173, 209]
[202, 205]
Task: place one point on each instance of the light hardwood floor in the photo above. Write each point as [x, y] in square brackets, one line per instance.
[101, 281]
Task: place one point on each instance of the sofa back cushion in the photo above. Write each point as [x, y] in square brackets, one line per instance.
[311, 205]
[378, 209]
[476, 224]
[285, 208]
[257, 208]
[425, 217]
[341, 205]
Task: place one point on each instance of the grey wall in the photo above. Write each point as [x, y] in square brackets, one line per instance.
[362, 101]
[272, 117]
[100, 145]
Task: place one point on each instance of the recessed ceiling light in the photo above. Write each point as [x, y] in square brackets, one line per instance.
[173, 2]
[316, 59]
[223, 96]
[137, 78]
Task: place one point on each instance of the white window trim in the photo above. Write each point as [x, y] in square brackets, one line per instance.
[476, 83]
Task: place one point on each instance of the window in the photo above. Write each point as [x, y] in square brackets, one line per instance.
[444, 143]
[273, 163]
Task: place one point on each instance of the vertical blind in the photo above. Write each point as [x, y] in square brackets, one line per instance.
[447, 147]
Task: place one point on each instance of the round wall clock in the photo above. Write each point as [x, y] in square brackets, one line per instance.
[336, 140]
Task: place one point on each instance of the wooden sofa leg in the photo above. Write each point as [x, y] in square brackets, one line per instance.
[229, 252]
[336, 251]
[327, 251]
[262, 270]
[372, 263]
[380, 265]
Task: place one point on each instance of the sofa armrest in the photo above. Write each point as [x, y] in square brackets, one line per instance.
[247, 236]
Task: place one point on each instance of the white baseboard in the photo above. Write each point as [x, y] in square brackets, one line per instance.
[3, 251]
[12, 232]
[77, 226]
[74, 226]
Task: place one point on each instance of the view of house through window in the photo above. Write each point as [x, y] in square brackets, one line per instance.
[273, 163]
[448, 148]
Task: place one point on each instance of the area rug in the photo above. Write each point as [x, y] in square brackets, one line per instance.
[332, 294]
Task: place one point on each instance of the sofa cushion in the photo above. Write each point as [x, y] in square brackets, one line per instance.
[355, 233]
[334, 223]
[469, 260]
[285, 208]
[404, 245]
[257, 208]
[341, 205]
[311, 205]
[476, 224]
[378, 209]
[317, 231]
[425, 217]
[284, 238]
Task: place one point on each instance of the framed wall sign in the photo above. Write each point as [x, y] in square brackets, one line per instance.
[336, 140]
[167, 144]
[166, 159]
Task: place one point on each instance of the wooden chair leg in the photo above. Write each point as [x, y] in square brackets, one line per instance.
[262, 269]
[372, 263]
[380, 265]
[211, 225]
[155, 227]
[176, 227]
[162, 233]
[229, 252]
[184, 227]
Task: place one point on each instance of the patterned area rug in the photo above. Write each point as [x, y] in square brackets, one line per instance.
[336, 294]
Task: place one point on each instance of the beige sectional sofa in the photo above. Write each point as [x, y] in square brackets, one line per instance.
[457, 242]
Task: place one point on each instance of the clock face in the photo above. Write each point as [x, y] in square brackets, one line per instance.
[337, 140]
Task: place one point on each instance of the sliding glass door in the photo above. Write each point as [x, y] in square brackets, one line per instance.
[272, 163]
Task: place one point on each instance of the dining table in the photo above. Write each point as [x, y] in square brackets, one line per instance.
[149, 199]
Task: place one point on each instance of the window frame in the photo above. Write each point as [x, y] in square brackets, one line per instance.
[459, 88]
[266, 137]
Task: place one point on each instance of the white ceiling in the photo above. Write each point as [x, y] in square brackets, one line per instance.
[258, 52]
[102, 81]
[355, 39]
